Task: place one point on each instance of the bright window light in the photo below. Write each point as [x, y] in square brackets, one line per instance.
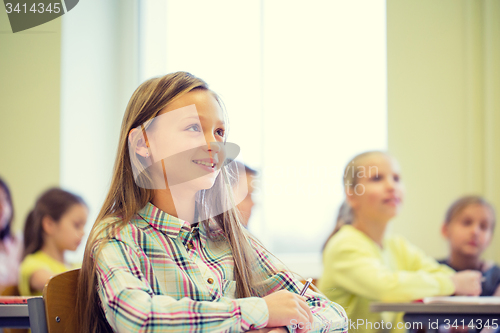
[305, 86]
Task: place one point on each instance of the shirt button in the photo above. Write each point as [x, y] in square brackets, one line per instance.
[210, 280]
[190, 246]
[252, 327]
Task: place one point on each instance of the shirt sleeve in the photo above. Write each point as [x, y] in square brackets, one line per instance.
[130, 305]
[417, 260]
[360, 271]
[328, 316]
[28, 267]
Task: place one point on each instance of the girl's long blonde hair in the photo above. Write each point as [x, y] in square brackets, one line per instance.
[125, 199]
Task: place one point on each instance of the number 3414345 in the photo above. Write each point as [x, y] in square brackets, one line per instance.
[35, 8]
[478, 323]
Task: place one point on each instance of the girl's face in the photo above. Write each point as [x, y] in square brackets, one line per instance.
[5, 209]
[186, 142]
[469, 232]
[69, 231]
[378, 192]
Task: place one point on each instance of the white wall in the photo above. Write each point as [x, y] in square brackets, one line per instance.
[99, 72]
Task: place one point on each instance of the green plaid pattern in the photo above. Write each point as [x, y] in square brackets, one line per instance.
[158, 274]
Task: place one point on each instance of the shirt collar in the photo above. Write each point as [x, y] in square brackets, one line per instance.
[173, 226]
[166, 223]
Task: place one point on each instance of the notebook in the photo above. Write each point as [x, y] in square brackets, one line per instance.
[13, 300]
[463, 300]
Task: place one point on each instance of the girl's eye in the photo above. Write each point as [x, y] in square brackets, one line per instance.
[485, 225]
[194, 128]
[377, 178]
[79, 224]
[466, 222]
[220, 132]
[396, 178]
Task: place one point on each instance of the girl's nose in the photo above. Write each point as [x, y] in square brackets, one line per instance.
[213, 147]
[209, 138]
[476, 229]
[390, 183]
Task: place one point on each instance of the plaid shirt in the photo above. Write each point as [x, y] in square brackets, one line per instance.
[160, 275]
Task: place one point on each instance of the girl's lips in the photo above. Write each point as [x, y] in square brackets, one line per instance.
[206, 167]
[392, 201]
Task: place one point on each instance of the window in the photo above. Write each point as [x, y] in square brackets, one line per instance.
[305, 86]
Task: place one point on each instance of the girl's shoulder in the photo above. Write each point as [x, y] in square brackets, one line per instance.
[397, 239]
[38, 256]
[117, 227]
[348, 239]
[349, 235]
[397, 242]
[131, 232]
[40, 260]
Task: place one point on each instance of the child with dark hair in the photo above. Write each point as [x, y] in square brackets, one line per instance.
[468, 227]
[10, 245]
[54, 226]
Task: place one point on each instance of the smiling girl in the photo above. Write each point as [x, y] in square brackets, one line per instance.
[362, 264]
[167, 252]
[468, 227]
[54, 226]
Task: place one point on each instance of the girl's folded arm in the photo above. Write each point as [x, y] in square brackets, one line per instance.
[130, 305]
[418, 260]
[362, 273]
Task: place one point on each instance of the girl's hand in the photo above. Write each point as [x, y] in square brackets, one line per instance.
[467, 283]
[285, 306]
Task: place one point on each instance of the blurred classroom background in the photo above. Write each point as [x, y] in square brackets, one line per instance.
[307, 85]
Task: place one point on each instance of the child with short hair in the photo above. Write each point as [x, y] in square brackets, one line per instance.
[468, 226]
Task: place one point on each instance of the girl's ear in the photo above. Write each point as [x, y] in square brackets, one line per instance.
[48, 225]
[350, 197]
[444, 230]
[141, 148]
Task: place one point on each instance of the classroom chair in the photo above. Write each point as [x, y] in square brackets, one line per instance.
[59, 295]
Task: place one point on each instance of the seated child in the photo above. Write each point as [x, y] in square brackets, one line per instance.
[167, 252]
[468, 227]
[53, 227]
[362, 264]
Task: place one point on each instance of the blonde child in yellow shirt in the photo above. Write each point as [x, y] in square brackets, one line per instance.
[54, 226]
[363, 265]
